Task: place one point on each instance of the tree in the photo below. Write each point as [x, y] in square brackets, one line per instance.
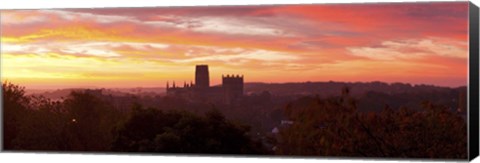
[42, 126]
[334, 127]
[15, 105]
[152, 130]
[91, 121]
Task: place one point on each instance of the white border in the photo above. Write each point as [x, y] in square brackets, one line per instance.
[34, 4]
[82, 158]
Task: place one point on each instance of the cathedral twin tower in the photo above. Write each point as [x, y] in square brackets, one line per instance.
[231, 88]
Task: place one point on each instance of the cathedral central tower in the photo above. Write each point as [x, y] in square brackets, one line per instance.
[202, 78]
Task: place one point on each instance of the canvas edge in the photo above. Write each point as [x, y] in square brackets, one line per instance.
[2, 148]
[473, 86]
[473, 90]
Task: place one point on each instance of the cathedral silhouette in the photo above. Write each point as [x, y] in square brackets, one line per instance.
[231, 89]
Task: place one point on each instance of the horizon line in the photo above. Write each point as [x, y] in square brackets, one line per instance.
[253, 82]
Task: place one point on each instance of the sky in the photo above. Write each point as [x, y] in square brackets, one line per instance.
[417, 43]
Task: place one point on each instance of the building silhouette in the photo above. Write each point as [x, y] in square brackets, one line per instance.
[232, 87]
[202, 77]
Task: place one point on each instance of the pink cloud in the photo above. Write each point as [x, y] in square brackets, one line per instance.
[286, 37]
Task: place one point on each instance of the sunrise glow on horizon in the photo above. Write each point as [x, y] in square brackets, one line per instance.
[417, 43]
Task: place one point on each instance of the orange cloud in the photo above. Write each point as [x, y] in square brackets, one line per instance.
[405, 42]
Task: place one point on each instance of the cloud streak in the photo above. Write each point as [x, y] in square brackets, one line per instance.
[411, 49]
[301, 42]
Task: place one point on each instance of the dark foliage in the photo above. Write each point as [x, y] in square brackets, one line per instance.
[86, 120]
[152, 130]
[334, 127]
[15, 106]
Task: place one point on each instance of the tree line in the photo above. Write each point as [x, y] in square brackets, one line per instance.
[332, 126]
[85, 123]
